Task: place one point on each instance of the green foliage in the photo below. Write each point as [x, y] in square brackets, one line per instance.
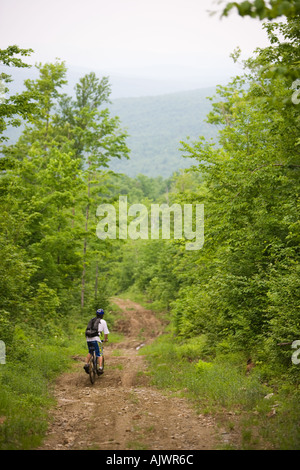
[241, 291]
[211, 384]
[263, 9]
[246, 283]
[24, 393]
[203, 366]
[156, 125]
[15, 108]
[222, 385]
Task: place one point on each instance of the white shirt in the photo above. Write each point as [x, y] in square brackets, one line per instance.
[101, 328]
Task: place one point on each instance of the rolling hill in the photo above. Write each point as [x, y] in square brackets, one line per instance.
[156, 125]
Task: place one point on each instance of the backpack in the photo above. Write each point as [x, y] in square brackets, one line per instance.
[92, 328]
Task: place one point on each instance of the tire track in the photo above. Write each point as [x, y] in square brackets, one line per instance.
[121, 411]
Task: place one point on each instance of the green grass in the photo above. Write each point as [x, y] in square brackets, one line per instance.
[25, 396]
[136, 445]
[135, 296]
[220, 385]
[217, 385]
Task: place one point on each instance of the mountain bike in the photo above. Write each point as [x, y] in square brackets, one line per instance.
[93, 370]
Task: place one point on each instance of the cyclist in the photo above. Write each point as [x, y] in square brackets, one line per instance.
[94, 342]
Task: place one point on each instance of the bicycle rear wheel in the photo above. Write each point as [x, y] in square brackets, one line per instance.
[92, 368]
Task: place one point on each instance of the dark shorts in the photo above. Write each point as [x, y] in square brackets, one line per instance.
[95, 345]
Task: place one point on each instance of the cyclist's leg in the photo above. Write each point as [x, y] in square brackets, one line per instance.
[88, 357]
[97, 352]
[101, 359]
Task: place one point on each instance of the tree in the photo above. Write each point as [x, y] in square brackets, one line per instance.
[15, 108]
[265, 9]
[97, 137]
[16, 268]
[43, 166]
[244, 284]
[55, 175]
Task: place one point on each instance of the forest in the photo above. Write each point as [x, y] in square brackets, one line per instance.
[233, 303]
[150, 136]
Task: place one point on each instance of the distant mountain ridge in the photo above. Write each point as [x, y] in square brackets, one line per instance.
[155, 123]
[156, 126]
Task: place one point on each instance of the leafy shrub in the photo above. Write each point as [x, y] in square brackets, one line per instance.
[203, 366]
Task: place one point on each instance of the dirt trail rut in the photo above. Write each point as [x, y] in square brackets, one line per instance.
[121, 411]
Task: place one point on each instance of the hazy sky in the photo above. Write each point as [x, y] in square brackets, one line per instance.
[133, 37]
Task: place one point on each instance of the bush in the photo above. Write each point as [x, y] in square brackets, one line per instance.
[202, 367]
[193, 348]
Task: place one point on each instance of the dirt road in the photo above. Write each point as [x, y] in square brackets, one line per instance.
[122, 411]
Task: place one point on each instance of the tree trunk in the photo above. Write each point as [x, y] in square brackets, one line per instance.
[85, 244]
[96, 281]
